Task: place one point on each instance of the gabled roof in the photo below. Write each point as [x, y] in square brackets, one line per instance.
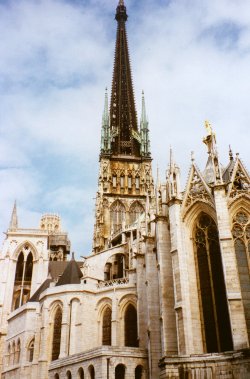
[43, 287]
[71, 275]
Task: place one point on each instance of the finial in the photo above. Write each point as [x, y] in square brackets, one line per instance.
[121, 2]
[208, 128]
[192, 156]
[143, 109]
[14, 219]
[121, 14]
[73, 256]
[230, 154]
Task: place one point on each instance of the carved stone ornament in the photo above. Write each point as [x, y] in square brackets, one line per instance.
[240, 183]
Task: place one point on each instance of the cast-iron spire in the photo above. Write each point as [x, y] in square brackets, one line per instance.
[123, 120]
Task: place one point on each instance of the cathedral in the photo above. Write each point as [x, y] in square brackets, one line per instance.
[165, 292]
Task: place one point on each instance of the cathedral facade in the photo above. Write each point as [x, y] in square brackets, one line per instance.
[166, 291]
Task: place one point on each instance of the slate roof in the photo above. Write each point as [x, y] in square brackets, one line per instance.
[71, 275]
[43, 287]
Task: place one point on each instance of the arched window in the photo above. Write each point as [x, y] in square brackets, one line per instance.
[17, 352]
[31, 351]
[117, 214]
[91, 372]
[241, 235]
[56, 376]
[80, 373]
[23, 277]
[130, 322]
[135, 211]
[8, 356]
[106, 326]
[68, 375]
[57, 334]
[120, 372]
[13, 351]
[213, 301]
[138, 372]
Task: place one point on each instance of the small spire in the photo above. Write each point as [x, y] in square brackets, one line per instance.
[73, 256]
[121, 2]
[144, 131]
[231, 157]
[192, 156]
[171, 159]
[14, 219]
[105, 133]
[121, 14]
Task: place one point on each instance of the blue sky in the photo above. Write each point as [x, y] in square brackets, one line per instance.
[191, 58]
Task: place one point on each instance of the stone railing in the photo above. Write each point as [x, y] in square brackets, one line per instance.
[113, 283]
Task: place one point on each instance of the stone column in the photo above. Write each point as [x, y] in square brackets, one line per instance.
[65, 331]
[233, 291]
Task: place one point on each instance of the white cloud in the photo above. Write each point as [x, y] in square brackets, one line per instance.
[192, 58]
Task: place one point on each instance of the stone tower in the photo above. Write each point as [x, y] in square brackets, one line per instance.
[125, 176]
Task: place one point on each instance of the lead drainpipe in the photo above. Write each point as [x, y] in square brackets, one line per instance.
[108, 360]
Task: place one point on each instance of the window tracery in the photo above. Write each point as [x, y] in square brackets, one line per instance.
[23, 278]
[117, 215]
[135, 211]
[31, 350]
[130, 326]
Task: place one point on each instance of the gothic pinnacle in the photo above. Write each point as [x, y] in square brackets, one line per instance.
[14, 219]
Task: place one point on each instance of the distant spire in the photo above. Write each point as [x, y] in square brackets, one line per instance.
[144, 131]
[14, 219]
[105, 134]
[231, 157]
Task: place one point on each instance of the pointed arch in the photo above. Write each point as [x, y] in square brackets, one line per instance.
[117, 215]
[80, 373]
[130, 326]
[135, 211]
[138, 372]
[211, 283]
[91, 371]
[30, 350]
[28, 268]
[106, 326]
[241, 237]
[57, 326]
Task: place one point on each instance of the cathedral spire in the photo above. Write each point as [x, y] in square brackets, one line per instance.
[123, 118]
[144, 131]
[14, 219]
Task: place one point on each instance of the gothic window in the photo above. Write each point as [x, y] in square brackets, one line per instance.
[8, 357]
[122, 181]
[213, 301]
[31, 351]
[17, 352]
[80, 373]
[138, 372]
[23, 277]
[106, 326]
[57, 334]
[12, 355]
[241, 236]
[28, 268]
[130, 324]
[56, 376]
[91, 372]
[117, 215]
[129, 182]
[120, 371]
[68, 375]
[135, 211]
[137, 182]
